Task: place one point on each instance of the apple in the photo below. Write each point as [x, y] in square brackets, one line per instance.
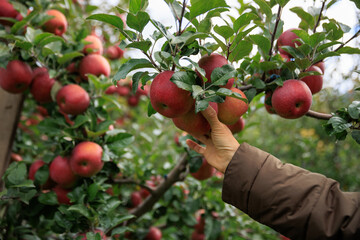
[238, 126]
[123, 90]
[197, 236]
[58, 24]
[321, 65]
[7, 10]
[102, 234]
[114, 52]
[17, 77]
[86, 159]
[232, 108]
[314, 82]
[72, 68]
[94, 46]
[194, 123]
[287, 38]
[94, 64]
[282, 237]
[39, 70]
[200, 225]
[210, 62]
[41, 87]
[61, 194]
[135, 199]
[111, 90]
[292, 100]
[72, 99]
[167, 99]
[34, 167]
[60, 171]
[267, 102]
[133, 100]
[144, 192]
[153, 234]
[204, 172]
[14, 157]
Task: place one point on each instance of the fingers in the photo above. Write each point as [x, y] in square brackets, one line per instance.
[196, 147]
[211, 116]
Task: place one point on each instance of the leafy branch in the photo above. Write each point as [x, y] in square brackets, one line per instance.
[320, 15]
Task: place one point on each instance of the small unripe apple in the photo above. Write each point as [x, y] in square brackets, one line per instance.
[72, 99]
[94, 46]
[153, 234]
[314, 82]
[94, 64]
[60, 171]
[204, 172]
[167, 99]
[61, 194]
[41, 87]
[287, 38]
[58, 24]
[292, 100]
[86, 159]
[232, 108]
[17, 77]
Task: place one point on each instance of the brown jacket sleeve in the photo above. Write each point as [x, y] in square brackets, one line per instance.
[295, 202]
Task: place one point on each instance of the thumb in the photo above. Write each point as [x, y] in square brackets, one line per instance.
[196, 147]
[211, 116]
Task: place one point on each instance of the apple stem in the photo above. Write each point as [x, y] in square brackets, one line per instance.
[320, 15]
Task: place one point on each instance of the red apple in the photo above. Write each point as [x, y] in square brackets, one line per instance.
[14, 157]
[238, 126]
[210, 62]
[204, 172]
[94, 64]
[72, 68]
[72, 99]
[17, 77]
[7, 10]
[200, 225]
[34, 167]
[292, 100]
[61, 194]
[133, 100]
[123, 90]
[41, 87]
[86, 159]
[111, 90]
[114, 52]
[232, 109]
[94, 46]
[267, 102]
[321, 65]
[167, 99]
[153, 234]
[102, 234]
[287, 38]
[314, 82]
[135, 199]
[61, 173]
[197, 236]
[58, 24]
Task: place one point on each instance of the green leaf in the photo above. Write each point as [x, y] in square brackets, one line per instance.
[221, 75]
[354, 110]
[137, 5]
[79, 121]
[42, 174]
[316, 39]
[197, 90]
[184, 79]
[131, 65]
[305, 16]
[67, 57]
[138, 21]
[48, 198]
[107, 18]
[240, 50]
[348, 50]
[228, 93]
[79, 208]
[262, 42]
[355, 134]
[92, 190]
[321, 57]
[150, 110]
[116, 135]
[187, 37]
[17, 173]
[244, 20]
[224, 31]
[339, 124]
[264, 7]
[199, 7]
[333, 31]
[357, 3]
[282, 3]
[142, 45]
[201, 105]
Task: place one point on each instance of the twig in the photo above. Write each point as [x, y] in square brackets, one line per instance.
[175, 175]
[320, 15]
[318, 115]
[275, 30]
[152, 61]
[343, 44]
[181, 17]
[246, 87]
[131, 181]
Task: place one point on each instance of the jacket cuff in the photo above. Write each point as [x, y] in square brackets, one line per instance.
[240, 175]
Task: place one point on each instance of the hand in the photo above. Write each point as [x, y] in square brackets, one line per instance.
[220, 147]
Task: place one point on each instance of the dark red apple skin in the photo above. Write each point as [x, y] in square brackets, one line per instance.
[133, 100]
[205, 171]
[111, 90]
[210, 62]
[72, 99]
[321, 65]
[269, 108]
[94, 64]
[61, 173]
[34, 167]
[238, 126]
[72, 68]
[61, 194]
[154, 234]
[314, 82]
[17, 77]
[39, 70]
[58, 24]
[200, 226]
[7, 10]
[41, 87]
[287, 39]
[94, 46]
[135, 199]
[292, 100]
[197, 236]
[86, 159]
[167, 99]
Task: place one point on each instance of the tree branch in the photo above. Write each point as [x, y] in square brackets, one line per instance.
[318, 115]
[246, 87]
[275, 30]
[175, 175]
[320, 15]
[343, 44]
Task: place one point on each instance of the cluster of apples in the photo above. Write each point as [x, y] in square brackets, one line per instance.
[7, 10]
[85, 161]
[294, 98]
[176, 103]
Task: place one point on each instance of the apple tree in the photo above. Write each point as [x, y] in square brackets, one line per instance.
[98, 155]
